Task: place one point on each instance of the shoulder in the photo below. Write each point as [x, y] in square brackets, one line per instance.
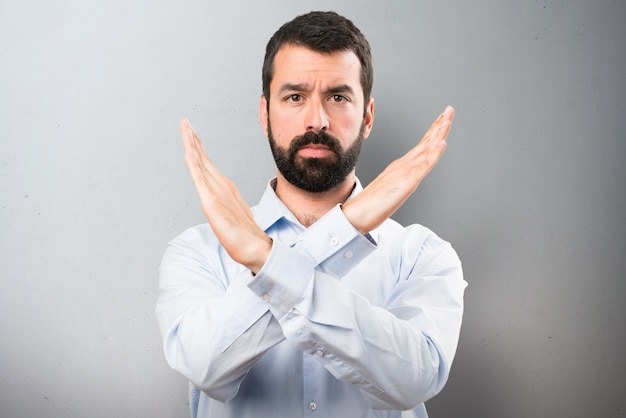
[201, 235]
[416, 244]
[393, 231]
[196, 244]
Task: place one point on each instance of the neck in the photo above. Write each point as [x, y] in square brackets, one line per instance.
[308, 207]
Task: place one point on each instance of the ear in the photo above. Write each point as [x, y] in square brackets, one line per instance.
[368, 119]
[263, 115]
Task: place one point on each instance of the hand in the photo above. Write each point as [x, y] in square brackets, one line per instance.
[227, 213]
[383, 196]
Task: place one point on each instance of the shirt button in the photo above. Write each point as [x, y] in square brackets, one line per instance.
[334, 241]
[312, 406]
[319, 353]
[348, 254]
[266, 297]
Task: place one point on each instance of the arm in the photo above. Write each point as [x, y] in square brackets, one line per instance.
[247, 244]
[397, 350]
[214, 328]
[189, 331]
[390, 189]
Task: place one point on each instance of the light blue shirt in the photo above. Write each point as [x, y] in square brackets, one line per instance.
[335, 325]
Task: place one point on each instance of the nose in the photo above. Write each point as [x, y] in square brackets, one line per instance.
[316, 118]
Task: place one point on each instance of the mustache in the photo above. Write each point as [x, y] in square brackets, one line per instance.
[319, 138]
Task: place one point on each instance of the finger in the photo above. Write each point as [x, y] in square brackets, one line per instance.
[446, 122]
[434, 140]
[191, 140]
[438, 131]
[441, 125]
[195, 154]
[186, 133]
[193, 159]
[448, 113]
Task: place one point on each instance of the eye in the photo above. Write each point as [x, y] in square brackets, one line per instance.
[295, 98]
[338, 98]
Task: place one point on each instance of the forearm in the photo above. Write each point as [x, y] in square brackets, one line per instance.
[393, 333]
[393, 355]
[218, 372]
[213, 331]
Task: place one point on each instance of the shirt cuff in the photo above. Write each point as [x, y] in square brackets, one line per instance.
[283, 280]
[335, 245]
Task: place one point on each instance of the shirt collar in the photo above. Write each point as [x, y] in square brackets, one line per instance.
[271, 209]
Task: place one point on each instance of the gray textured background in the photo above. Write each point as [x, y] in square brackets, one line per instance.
[530, 190]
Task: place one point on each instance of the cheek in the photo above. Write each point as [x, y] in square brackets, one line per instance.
[285, 125]
[283, 129]
[348, 127]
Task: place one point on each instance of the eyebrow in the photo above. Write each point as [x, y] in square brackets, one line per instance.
[342, 88]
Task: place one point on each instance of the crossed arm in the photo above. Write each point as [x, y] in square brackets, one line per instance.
[203, 320]
[233, 223]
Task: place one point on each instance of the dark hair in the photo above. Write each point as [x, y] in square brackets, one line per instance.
[324, 32]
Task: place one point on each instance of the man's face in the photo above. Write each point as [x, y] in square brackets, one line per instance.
[317, 119]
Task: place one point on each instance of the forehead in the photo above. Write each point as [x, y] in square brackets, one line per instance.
[296, 64]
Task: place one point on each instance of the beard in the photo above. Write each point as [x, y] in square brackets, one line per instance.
[315, 175]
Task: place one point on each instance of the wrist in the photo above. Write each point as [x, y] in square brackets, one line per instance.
[260, 254]
[350, 211]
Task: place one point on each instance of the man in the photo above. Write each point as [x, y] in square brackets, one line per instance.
[313, 303]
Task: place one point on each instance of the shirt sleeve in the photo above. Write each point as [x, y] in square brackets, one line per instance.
[331, 246]
[214, 328]
[334, 244]
[398, 353]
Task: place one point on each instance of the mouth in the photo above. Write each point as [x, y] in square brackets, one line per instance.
[315, 151]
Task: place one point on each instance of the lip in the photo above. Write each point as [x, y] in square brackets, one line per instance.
[315, 151]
